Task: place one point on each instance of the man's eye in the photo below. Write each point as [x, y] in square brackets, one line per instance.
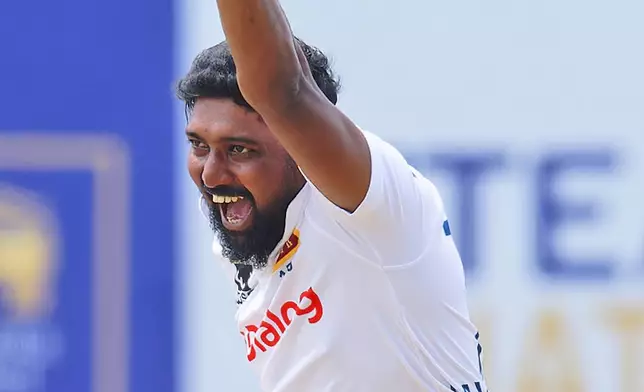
[198, 145]
[237, 150]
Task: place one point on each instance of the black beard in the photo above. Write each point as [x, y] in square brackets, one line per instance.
[254, 245]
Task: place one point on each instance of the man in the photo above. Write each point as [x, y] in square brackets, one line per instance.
[347, 275]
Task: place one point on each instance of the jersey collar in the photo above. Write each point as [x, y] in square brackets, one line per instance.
[294, 214]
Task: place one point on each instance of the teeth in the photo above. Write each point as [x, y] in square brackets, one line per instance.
[225, 199]
[234, 221]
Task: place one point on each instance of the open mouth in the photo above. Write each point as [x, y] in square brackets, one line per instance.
[236, 211]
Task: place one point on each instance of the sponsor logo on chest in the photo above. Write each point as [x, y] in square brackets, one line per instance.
[275, 322]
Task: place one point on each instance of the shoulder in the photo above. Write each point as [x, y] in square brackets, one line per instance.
[380, 146]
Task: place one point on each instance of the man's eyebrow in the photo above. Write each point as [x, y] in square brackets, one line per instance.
[226, 139]
[239, 139]
[193, 134]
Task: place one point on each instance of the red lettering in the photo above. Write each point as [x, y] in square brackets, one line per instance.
[254, 330]
[314, 307]
[269, 336]
[271, 329]
[251, 353]
[274, 318]
[290, 305]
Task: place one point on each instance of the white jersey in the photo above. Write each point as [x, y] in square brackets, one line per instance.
[370, 301]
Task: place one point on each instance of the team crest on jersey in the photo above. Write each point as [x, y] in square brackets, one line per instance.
[288, 250]
[242, 276]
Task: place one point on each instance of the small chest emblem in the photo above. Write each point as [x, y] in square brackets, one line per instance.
[288, 250]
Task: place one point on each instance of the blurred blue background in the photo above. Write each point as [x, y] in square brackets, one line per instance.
[528, 117]
[86, 196]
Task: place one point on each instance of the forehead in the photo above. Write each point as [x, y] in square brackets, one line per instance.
[214, 118]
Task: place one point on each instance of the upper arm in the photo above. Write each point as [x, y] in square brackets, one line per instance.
[275, 79]
[328, 147]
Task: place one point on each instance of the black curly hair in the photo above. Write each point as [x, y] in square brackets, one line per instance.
[213, 74]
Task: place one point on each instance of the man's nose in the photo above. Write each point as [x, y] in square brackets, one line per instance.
[216, 171]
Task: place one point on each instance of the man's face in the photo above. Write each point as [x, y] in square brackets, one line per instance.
[245, 175]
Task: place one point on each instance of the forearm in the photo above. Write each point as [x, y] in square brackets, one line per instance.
[262, 46]
[274, 77]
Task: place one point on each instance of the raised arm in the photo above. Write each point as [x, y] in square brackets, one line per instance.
[275, 80]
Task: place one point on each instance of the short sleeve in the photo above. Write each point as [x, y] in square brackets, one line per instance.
[400, 212]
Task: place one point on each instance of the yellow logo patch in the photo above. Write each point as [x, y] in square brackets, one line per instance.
[288, 250]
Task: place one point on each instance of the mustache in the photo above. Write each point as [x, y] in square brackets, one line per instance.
[226, 190]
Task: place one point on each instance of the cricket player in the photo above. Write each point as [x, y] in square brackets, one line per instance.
[347, 276]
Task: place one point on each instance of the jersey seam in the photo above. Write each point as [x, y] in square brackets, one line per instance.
[410, 264]
[401, 316]
[345, 247]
